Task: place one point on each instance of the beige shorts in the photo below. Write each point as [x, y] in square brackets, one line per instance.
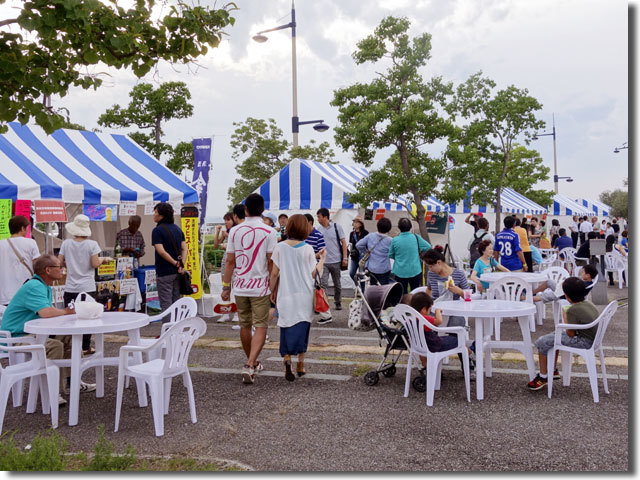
[253, 311]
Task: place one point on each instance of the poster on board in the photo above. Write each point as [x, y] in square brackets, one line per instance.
[101, 213]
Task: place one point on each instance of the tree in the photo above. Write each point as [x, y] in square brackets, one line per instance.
[485, 149]
[260, 151]
[618, 200]
[59, 40]
[397, 109]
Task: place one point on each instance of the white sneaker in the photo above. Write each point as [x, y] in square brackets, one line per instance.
[234, 318]
[235, 327]
[87, 387]
[61, 400]
[224, 318]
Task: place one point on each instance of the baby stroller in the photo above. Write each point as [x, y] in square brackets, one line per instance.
[364, 315]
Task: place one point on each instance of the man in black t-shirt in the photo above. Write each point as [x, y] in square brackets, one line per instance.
[171, 249]
[474, 222]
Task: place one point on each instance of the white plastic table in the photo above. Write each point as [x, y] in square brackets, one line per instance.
[483, 312]
[70, 325]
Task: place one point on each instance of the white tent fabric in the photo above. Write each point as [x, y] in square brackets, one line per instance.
[83, 167]
[308, 185]
[598, 207]
[511, 202]
[563, 205]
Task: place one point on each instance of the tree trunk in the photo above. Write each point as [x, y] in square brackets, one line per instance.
[157, 131]
[499, 192]
[422, 226]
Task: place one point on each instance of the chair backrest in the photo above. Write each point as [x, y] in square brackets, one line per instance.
[557, 274]
[183, 308]
[595, 280]
[36, 360]
[4, 353]
[414, 323]
[510, 288]
[603, 322]
[613, 261]
[179, 339]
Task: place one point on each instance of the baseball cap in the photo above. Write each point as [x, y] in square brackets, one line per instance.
[271, 216]
[478, 214]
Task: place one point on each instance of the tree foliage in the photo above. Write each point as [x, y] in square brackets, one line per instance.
[486, 151]
[47, 47]
[260, 151]
[148, 109]
[397, 109]
[618, 200]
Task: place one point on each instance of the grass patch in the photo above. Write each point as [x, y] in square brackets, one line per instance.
[360, 370]
[336, 359]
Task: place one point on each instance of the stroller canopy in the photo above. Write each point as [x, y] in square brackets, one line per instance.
[380, 297]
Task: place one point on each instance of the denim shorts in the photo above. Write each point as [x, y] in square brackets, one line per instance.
[545, 342]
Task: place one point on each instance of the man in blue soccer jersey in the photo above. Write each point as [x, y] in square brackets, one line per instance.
[507, 248]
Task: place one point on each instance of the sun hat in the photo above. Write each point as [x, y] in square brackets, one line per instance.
[358, 218]
[271, 216]
[479, 214]
[79, 227]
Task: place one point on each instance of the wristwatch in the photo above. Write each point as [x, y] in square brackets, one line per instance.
[226, 288]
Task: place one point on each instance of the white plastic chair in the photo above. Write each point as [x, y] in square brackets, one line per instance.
[614, 263]
[589, 355]
[414, 324]
[176, 344]
[510, 288]
[45, 378]
[14, 358]
[186, 307]
[548, 261]
[569, 258]
[558, 275]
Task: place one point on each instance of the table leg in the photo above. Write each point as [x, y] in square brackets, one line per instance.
[527, 351]
[100, 368]
[480, 358]
[134, 336]
[74, 392]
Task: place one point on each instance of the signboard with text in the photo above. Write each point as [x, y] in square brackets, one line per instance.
[23, 207]
[127, 208]
[50, 211]
[5, 216]
[192, 262]
[101, 213]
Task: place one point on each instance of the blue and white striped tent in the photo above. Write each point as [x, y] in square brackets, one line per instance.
[598, 207]
[308, 185]
[563, 205]
[83, 167]
[511, 202]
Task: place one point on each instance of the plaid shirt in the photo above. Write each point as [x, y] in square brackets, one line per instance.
[126, 240]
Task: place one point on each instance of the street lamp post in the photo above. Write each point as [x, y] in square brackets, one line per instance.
[319, 125]
[617, 149]
[555, 160]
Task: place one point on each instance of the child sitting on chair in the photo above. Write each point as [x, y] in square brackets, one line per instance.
[422, 303]
[580, 311]
[547, 291]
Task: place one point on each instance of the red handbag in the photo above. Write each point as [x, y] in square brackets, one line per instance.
[320, 300]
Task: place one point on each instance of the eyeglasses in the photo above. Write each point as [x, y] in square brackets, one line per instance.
[54, 266]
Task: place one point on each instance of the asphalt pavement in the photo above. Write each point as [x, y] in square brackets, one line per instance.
[330, 420]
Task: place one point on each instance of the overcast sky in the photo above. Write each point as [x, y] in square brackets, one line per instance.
[571, 55]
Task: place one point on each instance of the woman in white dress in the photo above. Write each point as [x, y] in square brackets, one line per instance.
[294, 267]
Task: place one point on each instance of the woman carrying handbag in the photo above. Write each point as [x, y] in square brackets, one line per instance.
[294, 269]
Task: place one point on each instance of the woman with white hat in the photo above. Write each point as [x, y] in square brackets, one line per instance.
[80, 256]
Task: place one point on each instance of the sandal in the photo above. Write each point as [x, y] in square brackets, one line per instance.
[300, 369]
[89, 351]
[288, 373]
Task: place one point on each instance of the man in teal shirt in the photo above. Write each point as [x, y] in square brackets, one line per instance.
[35, 300]
[405, 251]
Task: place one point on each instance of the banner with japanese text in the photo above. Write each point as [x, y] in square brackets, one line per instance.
[23, 207]
[192, 262]
[201, 163]
[5, 216]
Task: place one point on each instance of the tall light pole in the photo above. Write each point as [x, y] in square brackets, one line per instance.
[319, 126]
[617, 149]
[555, 159]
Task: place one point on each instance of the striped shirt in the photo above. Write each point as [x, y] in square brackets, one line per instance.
[434, 281]
[316, 240]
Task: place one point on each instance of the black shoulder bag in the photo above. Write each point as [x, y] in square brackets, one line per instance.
[184, 279]
[342, 267]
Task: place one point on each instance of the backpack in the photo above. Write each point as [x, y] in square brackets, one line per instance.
[473, 249]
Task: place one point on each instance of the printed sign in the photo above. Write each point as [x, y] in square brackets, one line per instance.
[108, 268]
[148, 207]
[192, 262]
[127, 208]
[201, 166]
[101, 213]
[436, 223]
[58, 294]
[128, 286]
[50, 211]
[152, 298]
[124, 264]
[5, 216]
[149, 277]
[23, 207]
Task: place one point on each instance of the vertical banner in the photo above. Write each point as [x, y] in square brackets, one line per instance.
[192, 262]
[23, 207]
[201, 163]
[5, 216]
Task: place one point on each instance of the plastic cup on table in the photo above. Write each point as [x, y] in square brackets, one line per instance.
[467, 294]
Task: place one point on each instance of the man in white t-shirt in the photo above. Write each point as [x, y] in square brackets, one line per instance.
[573, 228]
[17, 254]
[585, 227]
[249, 249]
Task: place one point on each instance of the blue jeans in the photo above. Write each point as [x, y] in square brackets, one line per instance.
[380, 278]
[413, 282]
[353, 268]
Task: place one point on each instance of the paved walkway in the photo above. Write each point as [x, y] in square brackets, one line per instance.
[330, 420]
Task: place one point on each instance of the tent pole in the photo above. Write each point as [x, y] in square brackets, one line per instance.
[47, 229]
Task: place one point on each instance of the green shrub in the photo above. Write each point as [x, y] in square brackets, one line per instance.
[212, 257]
[45, 455]
[105, 461]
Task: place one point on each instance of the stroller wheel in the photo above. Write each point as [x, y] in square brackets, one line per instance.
[420, 383]
[389, 372]
[371, 378]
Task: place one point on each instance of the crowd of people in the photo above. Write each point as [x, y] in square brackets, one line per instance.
[274, 266]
